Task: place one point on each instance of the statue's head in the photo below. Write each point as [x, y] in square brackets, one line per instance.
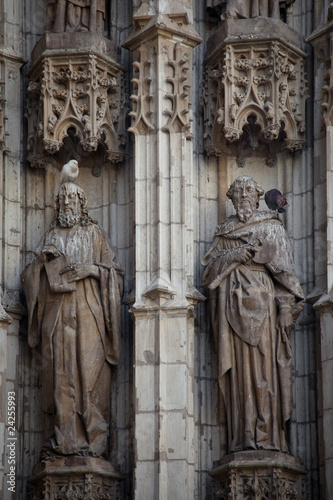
[71, 202]
[245, 194]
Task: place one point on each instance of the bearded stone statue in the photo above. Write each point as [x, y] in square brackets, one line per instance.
[73, 290]
[255, 298]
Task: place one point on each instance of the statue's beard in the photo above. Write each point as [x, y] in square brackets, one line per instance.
[68, 219]
[245, 210]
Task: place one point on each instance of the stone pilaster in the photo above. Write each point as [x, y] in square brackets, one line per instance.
[164, 292]
[5, 320]
[322, 296]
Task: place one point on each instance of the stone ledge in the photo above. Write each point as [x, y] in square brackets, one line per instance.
[73, 42]
[76, 465]
[256, 29]
[260, 458]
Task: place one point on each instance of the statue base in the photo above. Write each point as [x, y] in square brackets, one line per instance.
[78, 477]
[259, 474]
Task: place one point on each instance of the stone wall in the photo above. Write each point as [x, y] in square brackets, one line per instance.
[160, 207]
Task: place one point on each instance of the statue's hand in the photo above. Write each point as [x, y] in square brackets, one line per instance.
[284, 322]
[49, 252]
[76, 272]
[242, 254]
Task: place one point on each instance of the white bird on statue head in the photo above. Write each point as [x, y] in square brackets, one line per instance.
[69, 172]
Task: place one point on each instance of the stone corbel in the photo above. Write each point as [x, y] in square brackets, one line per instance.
[255, 89]
[75, 95]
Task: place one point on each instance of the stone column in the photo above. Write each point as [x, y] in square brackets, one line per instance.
[325, 307]
[5, 320]
[322, 296]
[162, 46]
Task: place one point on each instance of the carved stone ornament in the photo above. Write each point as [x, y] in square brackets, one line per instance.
[255, 89]
[327, 103]
[76, 478]
[3, 132]
[258, 475]
[75, 95]
[170, 39]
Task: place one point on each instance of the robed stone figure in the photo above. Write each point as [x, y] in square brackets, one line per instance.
[75, 15]
[255, 298]
[244, 9]
[73, 290]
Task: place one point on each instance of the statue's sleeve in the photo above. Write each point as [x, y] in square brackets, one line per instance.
[31, 283]
[282, 268]
[111, 282]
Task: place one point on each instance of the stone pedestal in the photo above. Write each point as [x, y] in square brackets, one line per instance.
[258, 474]
[75, 477]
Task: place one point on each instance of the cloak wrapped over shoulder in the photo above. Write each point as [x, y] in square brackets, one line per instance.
[233, 233]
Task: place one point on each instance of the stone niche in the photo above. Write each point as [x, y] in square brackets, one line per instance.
[255, 90]
[75, 107]
[257, 475]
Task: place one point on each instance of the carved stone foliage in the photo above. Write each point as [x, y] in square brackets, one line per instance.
[178, 70]
[327, 103]
[76, 487]
[254, 95]
[142, 96]
[259, 478]
[162, 71]
[75, 479]
[3, 132]
[179, 65]
[76, 97]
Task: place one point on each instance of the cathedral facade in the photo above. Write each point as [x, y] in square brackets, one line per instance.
[162, 105]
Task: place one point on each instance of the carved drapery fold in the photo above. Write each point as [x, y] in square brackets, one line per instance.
[254, 92]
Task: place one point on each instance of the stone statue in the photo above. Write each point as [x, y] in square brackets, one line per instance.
[75, 15]
[244, 9]
[73, 290]
[255, 298]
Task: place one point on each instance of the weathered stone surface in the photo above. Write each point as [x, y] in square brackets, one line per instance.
[255, 298]
[253, 474]
[75, 477]
[73, 290]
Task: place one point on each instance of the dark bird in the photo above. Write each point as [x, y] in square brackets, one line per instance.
[275, 200]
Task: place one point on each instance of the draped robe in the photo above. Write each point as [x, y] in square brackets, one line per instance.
[80, 335]
[254, 358]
